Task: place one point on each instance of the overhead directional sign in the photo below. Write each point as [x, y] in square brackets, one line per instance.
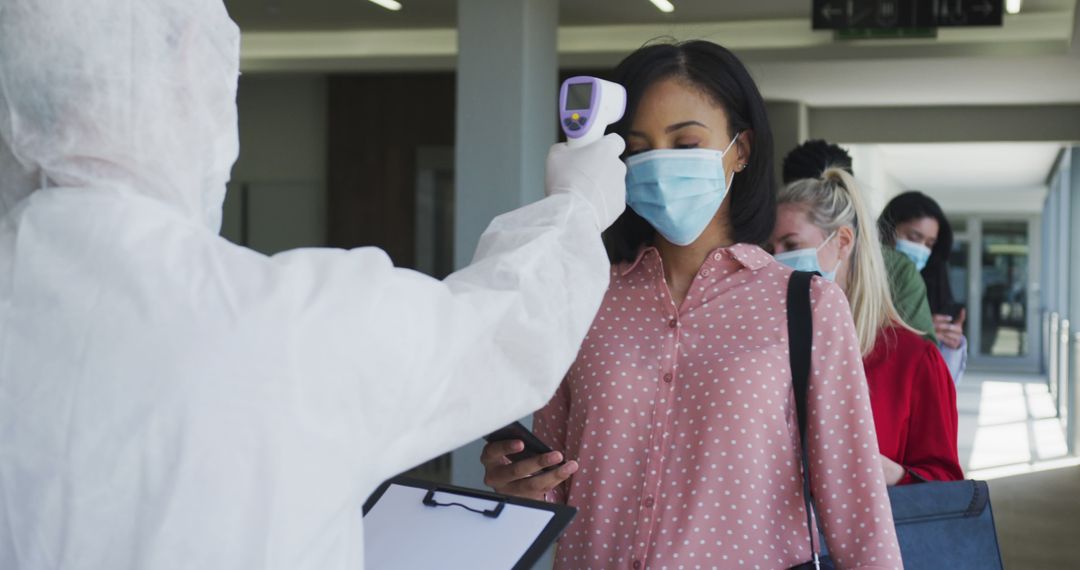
[893, 14]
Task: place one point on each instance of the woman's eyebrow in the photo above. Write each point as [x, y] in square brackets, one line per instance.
[671, 129]
[685, 124]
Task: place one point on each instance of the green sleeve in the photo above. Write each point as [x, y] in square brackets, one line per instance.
[908, 292]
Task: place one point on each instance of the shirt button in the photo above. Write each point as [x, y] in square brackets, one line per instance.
[704, 273]
[636, 565]
[717, 257]
[673, 323]
[667, 377]
[649, 502]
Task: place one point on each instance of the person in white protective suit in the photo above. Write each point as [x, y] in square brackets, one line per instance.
[170, 400]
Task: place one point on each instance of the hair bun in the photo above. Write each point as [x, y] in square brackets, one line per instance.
[833, 174]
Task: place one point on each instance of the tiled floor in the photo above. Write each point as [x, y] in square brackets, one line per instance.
[1007, 424]
[1010, 437]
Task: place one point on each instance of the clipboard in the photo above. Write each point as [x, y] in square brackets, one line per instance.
[411, 524]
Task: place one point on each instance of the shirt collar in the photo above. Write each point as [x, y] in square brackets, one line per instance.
[749, 256]
[630, 267]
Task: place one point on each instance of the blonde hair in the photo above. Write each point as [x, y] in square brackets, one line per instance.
[831, 202]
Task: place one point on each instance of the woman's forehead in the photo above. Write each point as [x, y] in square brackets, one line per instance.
[792, 218]
[671, 101]
[926, 225]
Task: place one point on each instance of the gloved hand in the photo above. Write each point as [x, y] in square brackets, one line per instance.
[593, 172]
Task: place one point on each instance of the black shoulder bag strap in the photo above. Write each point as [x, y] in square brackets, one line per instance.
[800, 335]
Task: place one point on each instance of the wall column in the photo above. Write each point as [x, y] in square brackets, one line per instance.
[790, 128]
[507, 89]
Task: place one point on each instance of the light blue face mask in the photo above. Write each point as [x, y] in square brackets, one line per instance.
[918, 253]
[679, 190]
[806, 259]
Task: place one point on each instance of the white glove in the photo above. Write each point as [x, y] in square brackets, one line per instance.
[593, 172]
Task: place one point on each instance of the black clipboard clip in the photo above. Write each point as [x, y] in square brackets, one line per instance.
[429, 500]
[560, 517]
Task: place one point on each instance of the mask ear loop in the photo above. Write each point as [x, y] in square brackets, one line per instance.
[823, 244]
[832, 235]
[730, 144]
[731, 179]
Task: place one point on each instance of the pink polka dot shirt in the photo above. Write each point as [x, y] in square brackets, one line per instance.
[683, 422]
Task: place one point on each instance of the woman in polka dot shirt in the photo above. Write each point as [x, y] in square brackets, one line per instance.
[678, 414]
[913, 397]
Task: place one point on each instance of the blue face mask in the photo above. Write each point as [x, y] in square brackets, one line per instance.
[807, 260]
[918, 253]
[678, 191]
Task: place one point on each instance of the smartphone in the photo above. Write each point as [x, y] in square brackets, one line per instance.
[533, 445]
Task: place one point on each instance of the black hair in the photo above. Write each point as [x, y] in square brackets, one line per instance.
[912, 206]
[813, 157]
[722, 77]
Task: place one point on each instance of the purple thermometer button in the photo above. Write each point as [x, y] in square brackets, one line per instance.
[577, 101]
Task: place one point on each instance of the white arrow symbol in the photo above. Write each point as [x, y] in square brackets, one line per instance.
[828, 12]
[986, 8]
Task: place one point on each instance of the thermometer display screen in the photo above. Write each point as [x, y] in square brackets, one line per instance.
[578, 96]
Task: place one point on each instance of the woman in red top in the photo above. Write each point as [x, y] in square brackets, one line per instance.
[823, 226]
[914, 404]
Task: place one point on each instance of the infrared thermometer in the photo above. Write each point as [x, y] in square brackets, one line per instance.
[587, 105]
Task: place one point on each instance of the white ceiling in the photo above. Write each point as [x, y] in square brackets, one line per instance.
[1003, 80]
[1033, 59]
[361, 14]
[986, 167]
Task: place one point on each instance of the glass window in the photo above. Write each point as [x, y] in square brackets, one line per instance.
[958, 271]
[1004, 289]
[959, 225]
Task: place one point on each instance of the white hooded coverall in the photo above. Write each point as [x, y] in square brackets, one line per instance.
[170, 400]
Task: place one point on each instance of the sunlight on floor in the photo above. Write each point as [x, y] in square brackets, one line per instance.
[1009, 427]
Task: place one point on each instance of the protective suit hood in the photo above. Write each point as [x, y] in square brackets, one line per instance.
[125, 95]
[170, 400]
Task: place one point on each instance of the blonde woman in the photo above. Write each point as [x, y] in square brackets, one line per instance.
[822, 225]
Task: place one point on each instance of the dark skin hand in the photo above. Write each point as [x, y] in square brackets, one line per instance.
[517, 478]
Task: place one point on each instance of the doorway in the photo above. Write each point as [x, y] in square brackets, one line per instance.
[994, 271]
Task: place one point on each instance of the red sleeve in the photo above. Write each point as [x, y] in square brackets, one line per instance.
[932, 431]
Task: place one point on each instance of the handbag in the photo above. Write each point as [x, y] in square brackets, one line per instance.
[945, 524]
[939, 524]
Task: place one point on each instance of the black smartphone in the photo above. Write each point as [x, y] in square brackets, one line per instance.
[533, 445]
